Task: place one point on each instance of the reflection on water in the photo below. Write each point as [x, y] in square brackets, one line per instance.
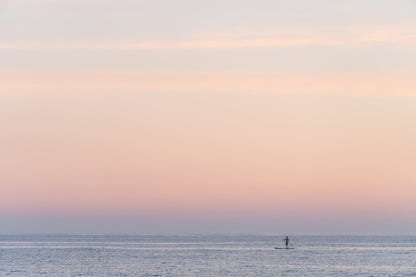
[206, 255]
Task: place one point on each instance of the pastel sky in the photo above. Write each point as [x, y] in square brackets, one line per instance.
[207, 116]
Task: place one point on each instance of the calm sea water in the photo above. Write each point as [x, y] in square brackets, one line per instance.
[206, 255]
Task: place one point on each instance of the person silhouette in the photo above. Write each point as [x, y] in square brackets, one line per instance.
[287, 241]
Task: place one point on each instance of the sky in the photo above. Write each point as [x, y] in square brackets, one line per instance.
[213, 116]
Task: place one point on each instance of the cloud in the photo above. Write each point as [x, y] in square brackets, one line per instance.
[358, 83]
[302, 36]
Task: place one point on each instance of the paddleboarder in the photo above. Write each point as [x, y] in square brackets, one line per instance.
[287, 241]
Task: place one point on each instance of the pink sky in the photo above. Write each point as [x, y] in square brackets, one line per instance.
[209, 154]
[300, 116]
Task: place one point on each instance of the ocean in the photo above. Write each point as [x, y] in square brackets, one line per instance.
[207, 255]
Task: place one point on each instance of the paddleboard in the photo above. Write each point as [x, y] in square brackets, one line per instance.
[283, 248]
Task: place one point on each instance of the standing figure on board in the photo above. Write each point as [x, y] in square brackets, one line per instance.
[287, 241]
